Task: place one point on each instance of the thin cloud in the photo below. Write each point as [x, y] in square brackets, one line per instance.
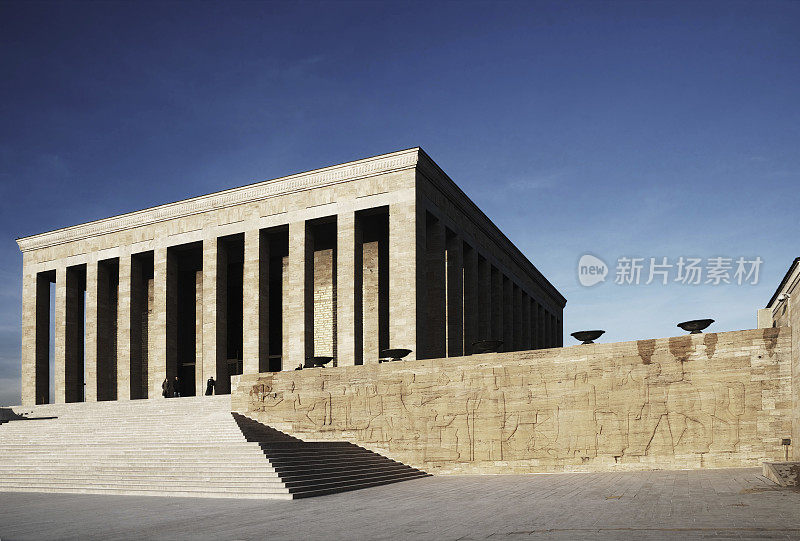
[538, 182]
[9, 391]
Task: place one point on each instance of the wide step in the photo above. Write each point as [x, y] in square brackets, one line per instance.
[190, 447]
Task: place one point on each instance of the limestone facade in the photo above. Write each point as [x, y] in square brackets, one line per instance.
[703, 400]
[783, 310]
[343, 261]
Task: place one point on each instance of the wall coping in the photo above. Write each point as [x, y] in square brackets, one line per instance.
[576, 351]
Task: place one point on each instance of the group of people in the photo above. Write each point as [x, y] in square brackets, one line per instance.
[171, 387]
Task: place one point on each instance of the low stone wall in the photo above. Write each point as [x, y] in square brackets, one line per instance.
[705, 400]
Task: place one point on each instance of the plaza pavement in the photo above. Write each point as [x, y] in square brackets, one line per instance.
[698, 504]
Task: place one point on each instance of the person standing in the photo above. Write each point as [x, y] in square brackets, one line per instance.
[166, 388]
[176, 387]
[210, 384]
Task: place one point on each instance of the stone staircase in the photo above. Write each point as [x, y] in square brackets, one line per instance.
[190, 446]
[317, 468]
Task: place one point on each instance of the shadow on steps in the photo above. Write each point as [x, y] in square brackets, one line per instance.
[318, 468]
[7, 415]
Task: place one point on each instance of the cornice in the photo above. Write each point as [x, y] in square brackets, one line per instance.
[781, 286]
[376, 165]
[442, 181]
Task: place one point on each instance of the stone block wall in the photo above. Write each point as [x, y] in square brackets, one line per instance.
[705, 400]
[324, 303]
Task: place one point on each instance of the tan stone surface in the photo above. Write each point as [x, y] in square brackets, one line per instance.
[124, 315]
[785, 474]
[199, 379]
[406, 276]
[764, 318]
[784, 310]
[347, 238]
[298, 295]
[324, 305]
[157, 354]
[406, 182]
[706, 400]
[370, 302]
[214, 329]
[255, 303]
[285, 310]
[60, 317]
[91, 340]
[29, 331]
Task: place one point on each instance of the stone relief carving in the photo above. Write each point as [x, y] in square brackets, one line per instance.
[653, 401]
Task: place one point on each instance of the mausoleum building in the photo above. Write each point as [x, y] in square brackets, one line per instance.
[343, 261]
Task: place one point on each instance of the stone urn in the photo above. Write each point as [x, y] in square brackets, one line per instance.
[695, 326]
[317, 362]
[587, 337]
[394, 354]
[486, 346]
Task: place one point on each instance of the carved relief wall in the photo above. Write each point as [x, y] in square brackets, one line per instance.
[706, 400]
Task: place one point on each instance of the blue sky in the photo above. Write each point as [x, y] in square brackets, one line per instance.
[639, 129]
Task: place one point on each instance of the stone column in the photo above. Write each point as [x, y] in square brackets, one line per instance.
[508, 314]
[436, 298]
[256, 303]
[406, 277]
[348, 295]
[497, 306]
[163, 354]
[199, 380]
[546, 329]
[149, 339]
[535, 325]
[472, 303]
[517, 292]
[60, 331]
[285, 309]
[124, 319]
[542, 327]
[526, 322]
[215, 328]
[300, 315]
[157, 336]
[455, 296]
[91, 332]
[370, 310]
[35, 338]
[29, 334]
[484, 300]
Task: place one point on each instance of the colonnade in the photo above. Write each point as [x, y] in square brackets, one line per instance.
[470, 298]
[267, 298]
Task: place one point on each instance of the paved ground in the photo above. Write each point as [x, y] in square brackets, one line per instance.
[727, 504]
